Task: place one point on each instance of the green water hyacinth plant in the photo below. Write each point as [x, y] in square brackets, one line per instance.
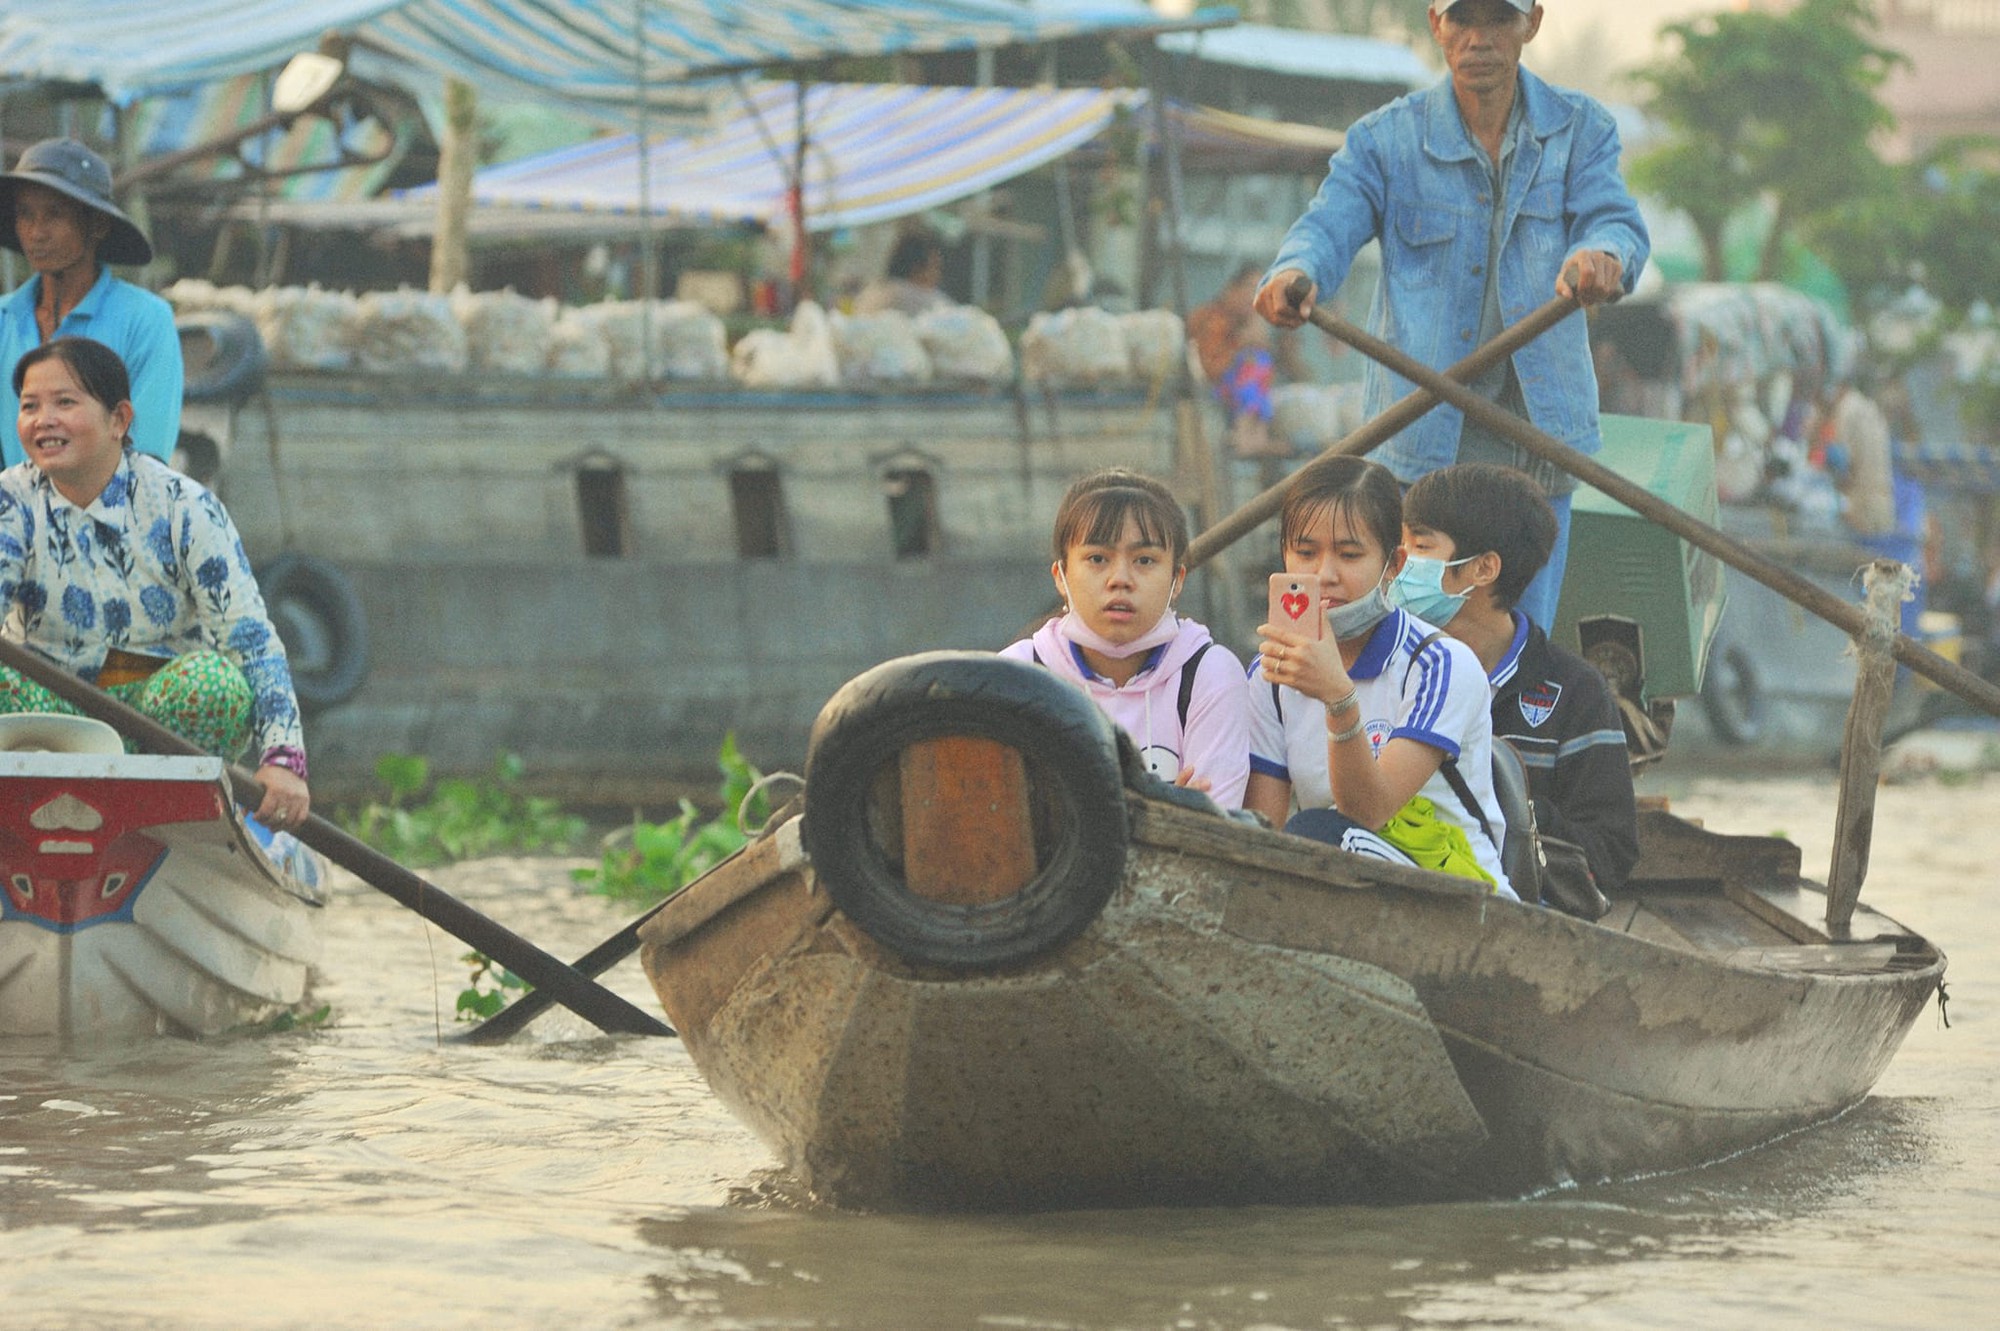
[460, 818]
[649, 862]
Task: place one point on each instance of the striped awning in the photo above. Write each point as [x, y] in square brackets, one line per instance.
[601, 53]
[873, 152]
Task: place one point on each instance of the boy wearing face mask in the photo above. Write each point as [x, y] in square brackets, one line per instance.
[1475, 535]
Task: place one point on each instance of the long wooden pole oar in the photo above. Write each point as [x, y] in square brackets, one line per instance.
[1378, 431]
[593, 1002]
[1848, 618]
[510, 1019]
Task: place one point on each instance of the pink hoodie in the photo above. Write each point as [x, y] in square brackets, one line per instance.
[1216, 742]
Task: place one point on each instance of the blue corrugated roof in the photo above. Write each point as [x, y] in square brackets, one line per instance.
[1322, 55]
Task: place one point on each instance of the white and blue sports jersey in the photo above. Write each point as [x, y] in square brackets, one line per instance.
[1437, 696]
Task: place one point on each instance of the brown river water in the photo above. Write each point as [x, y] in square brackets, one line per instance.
[367, 1175]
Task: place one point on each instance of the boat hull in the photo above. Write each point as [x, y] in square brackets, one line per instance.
[136, 902]
[1255, 1018]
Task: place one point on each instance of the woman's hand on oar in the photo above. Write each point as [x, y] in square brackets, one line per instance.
[286, 801]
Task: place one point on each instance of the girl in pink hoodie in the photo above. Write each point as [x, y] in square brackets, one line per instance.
[1121, 548]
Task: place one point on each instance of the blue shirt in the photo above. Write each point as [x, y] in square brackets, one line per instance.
[153, 566]
[133, 322]
[1410, 176]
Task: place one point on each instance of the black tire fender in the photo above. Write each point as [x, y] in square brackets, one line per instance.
[319, 618]
[222, 356]
[1071, 752]
[1732, 695]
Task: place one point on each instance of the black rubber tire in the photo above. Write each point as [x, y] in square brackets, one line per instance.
[1071, 753]
[320, 620]
[230, 367]
[1732, 696]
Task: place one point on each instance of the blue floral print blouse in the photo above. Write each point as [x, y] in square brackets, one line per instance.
[153, 566]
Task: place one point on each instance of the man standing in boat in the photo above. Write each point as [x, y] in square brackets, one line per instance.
[1489, 192]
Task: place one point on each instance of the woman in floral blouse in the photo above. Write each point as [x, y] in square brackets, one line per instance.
[132, 576]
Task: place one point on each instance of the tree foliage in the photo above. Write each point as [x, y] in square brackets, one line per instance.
[1768, 107]
[1928, 223]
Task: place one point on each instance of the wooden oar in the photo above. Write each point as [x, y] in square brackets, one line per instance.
[1378, 431]
[563, 984]
[1848, 618]
[510, 1019]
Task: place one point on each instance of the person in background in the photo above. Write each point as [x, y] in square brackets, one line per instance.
[1850, 439]
[1234, 348]
[56, 209]
[131, 576]
[910, 283]
[1474, 535]
[1490, 192]
[1121, 559]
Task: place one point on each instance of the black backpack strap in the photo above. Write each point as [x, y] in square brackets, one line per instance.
[1459, 787]
[1188, 670]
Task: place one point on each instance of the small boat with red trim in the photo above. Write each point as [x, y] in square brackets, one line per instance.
[135, 900]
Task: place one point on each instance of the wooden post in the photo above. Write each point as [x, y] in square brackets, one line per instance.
[458, 155]
[1888, 585]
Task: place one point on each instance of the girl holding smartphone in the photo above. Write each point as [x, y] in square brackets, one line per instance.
[1120, 560]
[1350, 726]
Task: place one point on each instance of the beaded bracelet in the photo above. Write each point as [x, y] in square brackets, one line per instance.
[1342, 736]
[1334, 709]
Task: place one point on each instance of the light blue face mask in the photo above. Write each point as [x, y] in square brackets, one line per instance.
[1419, 589]
[1359, 615]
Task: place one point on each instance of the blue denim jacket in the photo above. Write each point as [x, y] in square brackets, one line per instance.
[1410, 176]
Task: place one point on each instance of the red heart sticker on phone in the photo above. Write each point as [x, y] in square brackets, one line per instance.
[1294, 603]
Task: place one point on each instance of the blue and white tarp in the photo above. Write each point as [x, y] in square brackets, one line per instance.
[873, 152]
[602, 53]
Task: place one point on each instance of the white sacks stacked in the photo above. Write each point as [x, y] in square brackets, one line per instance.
[881, 348]
[802, 357]
[688, 342]
[1314, 416]
[966, 343]
[1077, 348]
[1092, 348]
[305, 328]
[405, 331]
[505, 333]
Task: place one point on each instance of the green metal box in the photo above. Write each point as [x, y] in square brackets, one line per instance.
[1627, 576]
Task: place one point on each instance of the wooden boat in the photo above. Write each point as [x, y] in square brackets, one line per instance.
[991, 966]
[136, 899]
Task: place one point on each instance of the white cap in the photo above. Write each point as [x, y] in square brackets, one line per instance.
[1440, 6]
